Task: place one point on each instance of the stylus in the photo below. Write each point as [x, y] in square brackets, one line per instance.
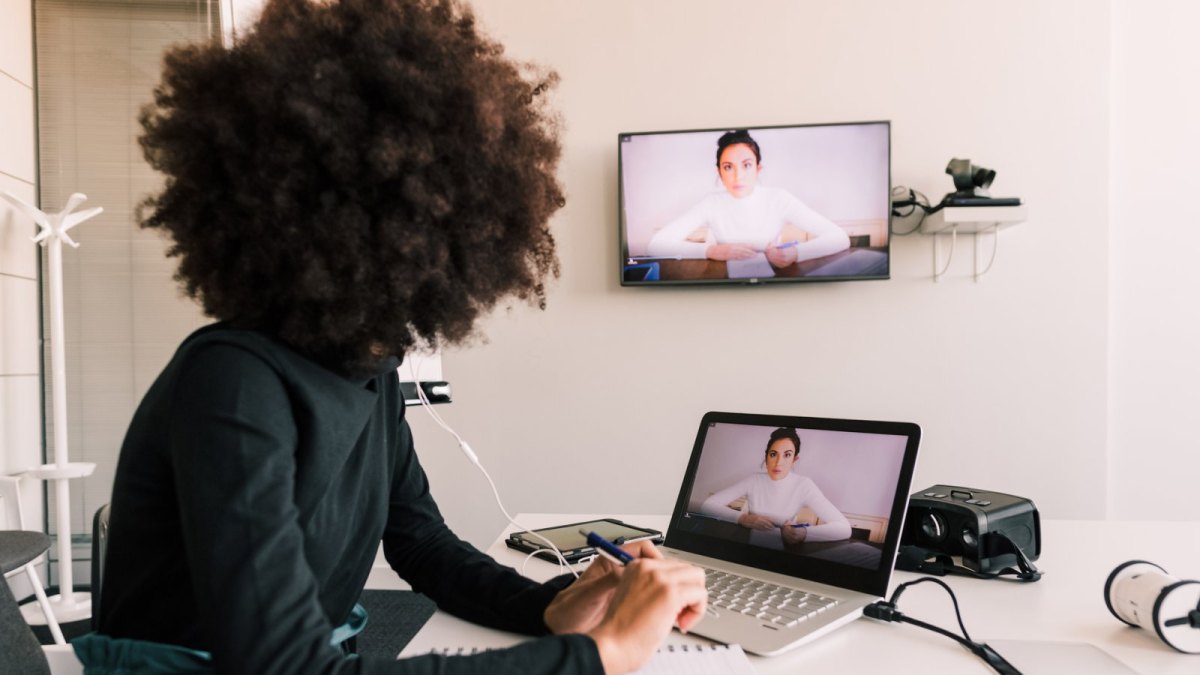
[606, 548]
[787, 245]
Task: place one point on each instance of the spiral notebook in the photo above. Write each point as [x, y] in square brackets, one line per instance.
[670, 660]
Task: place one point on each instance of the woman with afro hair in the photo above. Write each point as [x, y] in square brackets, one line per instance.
[352, 179]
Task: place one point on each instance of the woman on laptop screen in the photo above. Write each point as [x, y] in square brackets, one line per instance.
[780, 499]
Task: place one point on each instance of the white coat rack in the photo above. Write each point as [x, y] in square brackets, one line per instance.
[67, 605]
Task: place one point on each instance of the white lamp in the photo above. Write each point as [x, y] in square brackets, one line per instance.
[67, 605]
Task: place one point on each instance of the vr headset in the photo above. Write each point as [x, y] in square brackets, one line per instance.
[994, 534]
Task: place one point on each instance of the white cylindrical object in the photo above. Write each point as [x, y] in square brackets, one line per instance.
[58, 407]
[58, 352]
[1142, 594]
[68, 604]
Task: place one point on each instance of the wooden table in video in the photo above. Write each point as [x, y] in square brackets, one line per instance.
[858, 261]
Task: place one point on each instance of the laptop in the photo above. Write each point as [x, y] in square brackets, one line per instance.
[794, 541]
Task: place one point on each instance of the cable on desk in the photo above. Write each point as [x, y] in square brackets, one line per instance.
[885, 610]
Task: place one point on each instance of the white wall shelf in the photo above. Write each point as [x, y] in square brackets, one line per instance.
[973, 220]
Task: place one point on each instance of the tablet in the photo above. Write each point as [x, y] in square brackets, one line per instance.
[574, 545]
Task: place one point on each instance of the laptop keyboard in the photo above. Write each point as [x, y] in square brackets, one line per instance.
[779, 605]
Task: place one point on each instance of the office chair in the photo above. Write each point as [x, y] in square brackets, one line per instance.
[20, 651]
[99, 546]
[19, 551]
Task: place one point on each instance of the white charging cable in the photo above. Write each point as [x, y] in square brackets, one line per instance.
[474, 459]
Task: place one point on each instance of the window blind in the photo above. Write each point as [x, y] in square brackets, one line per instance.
[97, 64]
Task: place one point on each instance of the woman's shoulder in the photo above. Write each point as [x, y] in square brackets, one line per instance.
[222, 341]
[806, 483]
[224, 333]
[254, 354]
[799, 481]
[758, 478]
[218, 352]
[775, 194]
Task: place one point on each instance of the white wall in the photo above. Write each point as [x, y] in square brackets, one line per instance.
[20, 405]
[1154, 330]
[591, 405]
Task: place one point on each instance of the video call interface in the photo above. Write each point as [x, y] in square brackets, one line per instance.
[831, 500]
[806, 202]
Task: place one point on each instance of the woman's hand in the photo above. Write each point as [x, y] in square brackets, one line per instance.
[653, 595]
[793, 535]
[755, 521]
[580, 607]
[730, 252]
[781, 257]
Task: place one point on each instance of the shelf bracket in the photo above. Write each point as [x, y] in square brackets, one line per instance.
[992, 260]
[937, 274]
[973, 220]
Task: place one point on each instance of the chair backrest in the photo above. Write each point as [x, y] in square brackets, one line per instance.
[11, 517]
[99, 547]
[20, 651]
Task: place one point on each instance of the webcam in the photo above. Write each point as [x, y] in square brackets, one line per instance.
[970, 180]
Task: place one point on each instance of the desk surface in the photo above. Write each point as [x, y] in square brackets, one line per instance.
[1067, 605]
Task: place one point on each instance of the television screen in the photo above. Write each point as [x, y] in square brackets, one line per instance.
[755, 205]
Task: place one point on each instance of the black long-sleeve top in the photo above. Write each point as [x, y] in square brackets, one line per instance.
[252, 491]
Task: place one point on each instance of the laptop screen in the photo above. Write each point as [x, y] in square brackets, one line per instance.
[818, 499]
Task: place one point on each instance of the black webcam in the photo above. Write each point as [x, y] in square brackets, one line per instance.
[970, 180]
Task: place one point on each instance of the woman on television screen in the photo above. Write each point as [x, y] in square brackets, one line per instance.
[747, 218]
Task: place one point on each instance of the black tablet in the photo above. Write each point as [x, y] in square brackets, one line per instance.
[574, 545]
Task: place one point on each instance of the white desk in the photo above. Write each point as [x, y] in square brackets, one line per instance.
[1066, 605]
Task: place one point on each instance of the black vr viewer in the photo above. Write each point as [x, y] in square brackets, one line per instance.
[991, 532]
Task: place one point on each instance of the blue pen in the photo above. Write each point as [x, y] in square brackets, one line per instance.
[607, 549]
[800, 524]
[787, 245]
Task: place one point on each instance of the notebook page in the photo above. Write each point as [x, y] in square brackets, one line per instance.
[698, 660]
[754, 267]
[669, 660]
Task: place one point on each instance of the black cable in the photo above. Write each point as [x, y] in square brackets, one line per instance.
[885, 610]
[916, 559]
[915, 200]
[953, 599]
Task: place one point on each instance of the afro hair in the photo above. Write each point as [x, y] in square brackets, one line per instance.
[355, 177]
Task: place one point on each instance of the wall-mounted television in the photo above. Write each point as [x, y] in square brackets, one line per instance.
[750, 205]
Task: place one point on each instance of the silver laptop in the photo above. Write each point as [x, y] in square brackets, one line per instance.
[795, 541]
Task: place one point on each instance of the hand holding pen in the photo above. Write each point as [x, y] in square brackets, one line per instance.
[794, 533]
[784, 254]
[607, 549]
[580, 607]
[652, 595]
[621, 557]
